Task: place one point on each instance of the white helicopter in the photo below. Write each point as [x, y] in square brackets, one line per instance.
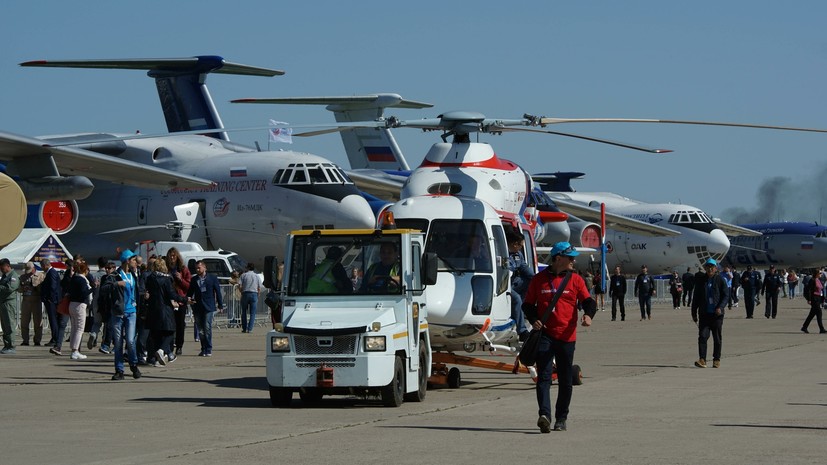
[247, 200]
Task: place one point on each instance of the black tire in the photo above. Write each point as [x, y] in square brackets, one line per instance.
[419, 394]
[454, 378]
[576, 375]
[310, 395]
[280, 397]
[394, 393]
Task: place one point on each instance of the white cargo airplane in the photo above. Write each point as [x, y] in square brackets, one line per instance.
[662, 236]
[245, 200]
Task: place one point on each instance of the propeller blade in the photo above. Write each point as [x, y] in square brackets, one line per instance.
[592, 139]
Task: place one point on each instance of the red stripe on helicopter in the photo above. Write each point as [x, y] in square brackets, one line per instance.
[493, 162]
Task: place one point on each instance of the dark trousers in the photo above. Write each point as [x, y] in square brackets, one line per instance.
[710, 324]
[549, 352]
[815, 311]
[618, 298]
[645, 305]
[180, 325]
[687, 296]
[771, 304]
[676, 300]
[51, 313]
[749, 301]
[161, 339]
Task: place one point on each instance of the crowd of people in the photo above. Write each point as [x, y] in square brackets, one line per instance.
[134, 311]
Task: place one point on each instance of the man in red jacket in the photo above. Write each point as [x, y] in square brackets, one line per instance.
[559, 332]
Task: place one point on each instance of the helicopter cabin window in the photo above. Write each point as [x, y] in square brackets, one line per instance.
[460, 245]
[344, 265]
[444, 188]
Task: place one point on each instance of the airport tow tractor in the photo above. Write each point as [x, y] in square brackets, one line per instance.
[362, 332]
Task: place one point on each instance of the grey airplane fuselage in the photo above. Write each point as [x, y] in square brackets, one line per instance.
[248, 209]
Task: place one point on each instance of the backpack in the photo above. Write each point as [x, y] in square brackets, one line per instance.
[107, 295]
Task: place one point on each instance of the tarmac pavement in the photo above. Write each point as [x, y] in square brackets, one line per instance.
[642, 402]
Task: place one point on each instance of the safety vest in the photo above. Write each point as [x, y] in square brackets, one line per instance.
[321, 280]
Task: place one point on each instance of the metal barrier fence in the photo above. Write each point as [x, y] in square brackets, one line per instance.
[229, 317]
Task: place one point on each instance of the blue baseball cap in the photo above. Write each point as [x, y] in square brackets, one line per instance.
[564, 248]
[711, 261]
[126, 255]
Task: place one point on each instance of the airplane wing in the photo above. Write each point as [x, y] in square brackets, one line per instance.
[735, 230]
[614, 221]
[378, 183]
[33, 158]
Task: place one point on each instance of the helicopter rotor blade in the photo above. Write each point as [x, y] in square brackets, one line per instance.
[546, 121]
[591, 139]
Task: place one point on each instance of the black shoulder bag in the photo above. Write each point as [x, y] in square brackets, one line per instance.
[528, 353]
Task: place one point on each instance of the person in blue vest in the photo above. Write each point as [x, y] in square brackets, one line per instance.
[204, 295]
[708, 306]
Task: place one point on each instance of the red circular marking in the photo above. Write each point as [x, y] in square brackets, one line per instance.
[590, 237]
[59, 215]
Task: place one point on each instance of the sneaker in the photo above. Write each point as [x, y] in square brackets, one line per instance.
[136, 373]
[160, 357]
[24, 343]
[171, 358]
[8, 351]
[157, 364]
[804, 330]
[701, 363]
[104, 350]
[55, 351]
[118, 376]
[716, 364]
[560, 425]
[201, 354]
[207, 354]
[78, 356]
[92, 342]
[544, 424]
[178, 351]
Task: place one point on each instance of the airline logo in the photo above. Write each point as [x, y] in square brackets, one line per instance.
[238, 172]
[379, 154]
[221, 207]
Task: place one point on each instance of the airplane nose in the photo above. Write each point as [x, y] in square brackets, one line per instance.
[718, 244]
[354, 211]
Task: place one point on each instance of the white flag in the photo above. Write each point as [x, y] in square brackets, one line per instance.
[278, 134]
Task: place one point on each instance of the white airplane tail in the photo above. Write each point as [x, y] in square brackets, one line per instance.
[365, 147]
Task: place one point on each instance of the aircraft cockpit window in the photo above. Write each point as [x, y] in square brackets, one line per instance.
[299, 177]
[333, 174]
[317, 176]
[694, 217]
[460, 245]
[277, 177]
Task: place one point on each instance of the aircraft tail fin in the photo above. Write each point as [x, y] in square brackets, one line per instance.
[181, 84]
[556, 182]
[365, 147]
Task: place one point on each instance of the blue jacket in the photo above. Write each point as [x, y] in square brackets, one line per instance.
[205, 294]
[50, 287]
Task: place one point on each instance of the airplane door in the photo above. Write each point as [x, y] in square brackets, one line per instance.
[143, 206]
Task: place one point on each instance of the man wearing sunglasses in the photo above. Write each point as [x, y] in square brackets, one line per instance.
[559, 332]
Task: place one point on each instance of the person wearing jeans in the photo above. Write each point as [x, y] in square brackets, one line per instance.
[123, 316]
[204, 296]
[250, 288]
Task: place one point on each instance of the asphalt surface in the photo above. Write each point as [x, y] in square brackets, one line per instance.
[642, 402]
